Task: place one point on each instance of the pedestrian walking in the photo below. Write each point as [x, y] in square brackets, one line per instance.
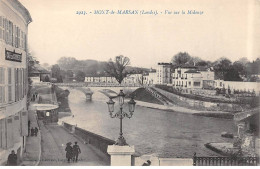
[29, 126]
[12, 159]
[33, 97]
[76, 152]
[32, 131]
[36, 131]
[69, 152]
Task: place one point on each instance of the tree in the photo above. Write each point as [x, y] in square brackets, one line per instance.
[194, 61]
[117, 67]
[240, 68]
[181, 58]
[67, 63]
[69, 74]
[202, 63]
[56, 72]
[232, 75]
[80, 76]
[46, 78]
[243, 60]
[221, 67]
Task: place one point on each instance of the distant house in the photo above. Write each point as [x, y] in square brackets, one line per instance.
[192, 77]
[38, 74]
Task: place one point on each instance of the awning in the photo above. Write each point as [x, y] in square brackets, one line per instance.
[42, 107]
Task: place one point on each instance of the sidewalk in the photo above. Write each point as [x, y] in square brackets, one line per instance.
[54, 139]
[32, 153]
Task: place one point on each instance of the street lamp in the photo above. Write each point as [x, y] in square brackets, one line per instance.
[121, 114]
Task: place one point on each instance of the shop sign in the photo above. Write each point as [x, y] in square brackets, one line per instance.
[13, 56]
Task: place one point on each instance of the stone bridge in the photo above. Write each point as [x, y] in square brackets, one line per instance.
[90, 89]
[87, 91]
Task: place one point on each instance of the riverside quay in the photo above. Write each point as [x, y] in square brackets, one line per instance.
[68, 97]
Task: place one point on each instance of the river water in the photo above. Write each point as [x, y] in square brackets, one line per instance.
[152, 131]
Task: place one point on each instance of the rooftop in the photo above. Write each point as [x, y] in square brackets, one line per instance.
[162, 63]
[38, 69]
[192, 71]
[20, 8]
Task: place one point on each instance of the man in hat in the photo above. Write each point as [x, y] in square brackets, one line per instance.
[76, 152]
[36, 131]
[12, 159]
[32, 131]
[147, 164]
[69, 151]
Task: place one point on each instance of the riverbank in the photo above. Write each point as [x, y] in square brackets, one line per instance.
[224, 149]
[216, 114]
[62, 98]
[149, 101]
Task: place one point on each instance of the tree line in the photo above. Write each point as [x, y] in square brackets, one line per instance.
[69, 68]
[240, 70]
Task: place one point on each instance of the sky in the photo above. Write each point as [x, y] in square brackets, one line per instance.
[227, 28]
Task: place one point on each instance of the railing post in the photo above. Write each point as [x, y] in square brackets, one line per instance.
[194, 159]
[73, 129]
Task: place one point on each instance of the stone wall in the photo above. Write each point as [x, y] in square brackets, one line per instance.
[96, 140]
[200, 105]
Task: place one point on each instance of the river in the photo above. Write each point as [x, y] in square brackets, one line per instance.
[151, 131]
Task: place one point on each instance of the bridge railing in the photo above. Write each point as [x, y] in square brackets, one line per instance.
[97, 84]
[225, 161]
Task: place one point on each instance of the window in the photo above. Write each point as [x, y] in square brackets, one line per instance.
[10, 35]
[2, 85]
[25, 41]
[22, 39]
[1, 26]
[196, 84]
[10, 97]
[16, 83]
[6, 30]
[18, 36]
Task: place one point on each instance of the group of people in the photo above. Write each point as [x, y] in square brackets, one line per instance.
[72, 152]
[34, 96]
[32, 131]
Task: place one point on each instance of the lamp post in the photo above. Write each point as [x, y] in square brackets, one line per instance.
[121, 114]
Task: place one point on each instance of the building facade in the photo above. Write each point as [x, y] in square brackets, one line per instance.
[191, 77]
[14, 20]
[100, 79]
[164, 73]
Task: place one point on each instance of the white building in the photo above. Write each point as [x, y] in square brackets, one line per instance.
[14, 20]
[164, 73]
[192, 77]
[133, 79]
[100, 79]
[152, 78]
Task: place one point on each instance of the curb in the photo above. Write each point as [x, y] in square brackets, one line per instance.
[40, 152]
